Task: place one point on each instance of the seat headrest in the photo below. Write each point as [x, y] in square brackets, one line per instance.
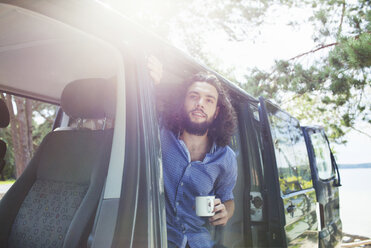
[4, 114]
[92, 98]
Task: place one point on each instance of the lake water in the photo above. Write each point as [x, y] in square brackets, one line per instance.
[355, 201]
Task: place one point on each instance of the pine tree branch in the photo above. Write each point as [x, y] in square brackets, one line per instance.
[293, 98]
[326, 46]
[315, 50]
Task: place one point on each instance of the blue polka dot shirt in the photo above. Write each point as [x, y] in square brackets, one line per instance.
[184, 180]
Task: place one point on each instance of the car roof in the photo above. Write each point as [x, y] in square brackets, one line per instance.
[39, 56]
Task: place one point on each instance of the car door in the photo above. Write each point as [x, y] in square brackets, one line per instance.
[141, 221]
[291, 198]
[326, 181]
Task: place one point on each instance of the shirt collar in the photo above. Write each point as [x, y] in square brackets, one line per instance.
[212, 149]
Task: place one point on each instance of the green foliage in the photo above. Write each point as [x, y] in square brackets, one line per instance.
[11, 181]
[339, 80]
[45, 113]
[352, 53]
[43, 117]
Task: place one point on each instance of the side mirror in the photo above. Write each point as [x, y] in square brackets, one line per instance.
[336, 183]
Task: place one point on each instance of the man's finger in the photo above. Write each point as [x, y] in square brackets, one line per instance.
[218, 216]
[217, 201]
[218, 208]
[154, 61]
[222, 221]
[215, 217]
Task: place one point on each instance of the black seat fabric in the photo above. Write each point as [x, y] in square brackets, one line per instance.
[54, 201]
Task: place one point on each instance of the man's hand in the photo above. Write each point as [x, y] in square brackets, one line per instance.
[155, 69]
[223, 212]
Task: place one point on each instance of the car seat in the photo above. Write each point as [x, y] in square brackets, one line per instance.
[53, 203]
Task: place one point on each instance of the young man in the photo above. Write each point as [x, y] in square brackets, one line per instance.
[197, 126]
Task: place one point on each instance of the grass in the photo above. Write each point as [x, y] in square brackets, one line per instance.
[11, 181]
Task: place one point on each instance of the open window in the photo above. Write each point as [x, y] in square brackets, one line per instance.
[30, 121]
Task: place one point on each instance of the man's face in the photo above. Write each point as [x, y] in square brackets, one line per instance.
[200, 107]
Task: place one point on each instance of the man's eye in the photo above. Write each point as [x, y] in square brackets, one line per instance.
[209, 101]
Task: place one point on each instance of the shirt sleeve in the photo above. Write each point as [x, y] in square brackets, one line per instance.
[227, 180]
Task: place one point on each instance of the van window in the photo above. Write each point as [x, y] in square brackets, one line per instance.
[291, 154]
[322, 155]
[30, 121]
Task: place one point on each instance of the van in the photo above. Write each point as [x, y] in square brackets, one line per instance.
[96, 179]
[326, 179]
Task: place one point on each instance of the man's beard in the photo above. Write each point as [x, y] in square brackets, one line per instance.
[198, 129]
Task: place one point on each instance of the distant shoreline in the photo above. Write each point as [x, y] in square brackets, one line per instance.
[355, 166]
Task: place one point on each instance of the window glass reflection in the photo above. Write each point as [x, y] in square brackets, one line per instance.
[291, 154]
[322, 155]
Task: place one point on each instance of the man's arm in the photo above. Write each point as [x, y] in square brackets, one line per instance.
[223, 212]
[229, 205]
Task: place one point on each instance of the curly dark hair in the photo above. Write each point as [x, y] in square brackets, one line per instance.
[222, 128]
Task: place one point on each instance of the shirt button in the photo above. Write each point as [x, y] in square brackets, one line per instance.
[181, 184]
[183, 231]
[177, 203]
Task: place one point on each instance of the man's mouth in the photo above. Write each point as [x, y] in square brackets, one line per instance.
[198, 113]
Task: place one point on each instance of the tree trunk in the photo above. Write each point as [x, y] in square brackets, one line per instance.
[14, 131]
[29, 103]
[23, 149]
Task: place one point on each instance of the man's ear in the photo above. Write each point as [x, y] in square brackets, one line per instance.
[216, 112]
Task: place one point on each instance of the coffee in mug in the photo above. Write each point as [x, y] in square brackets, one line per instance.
[205, 205]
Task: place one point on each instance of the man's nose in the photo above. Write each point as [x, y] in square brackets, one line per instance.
[200, 102]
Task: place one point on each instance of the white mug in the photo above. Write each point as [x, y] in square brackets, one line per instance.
[205, 205]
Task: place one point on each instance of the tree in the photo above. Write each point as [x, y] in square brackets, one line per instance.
[24, 134]
[333, 89]
[330, 81]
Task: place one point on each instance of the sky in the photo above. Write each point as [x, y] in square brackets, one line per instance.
[357, 150]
